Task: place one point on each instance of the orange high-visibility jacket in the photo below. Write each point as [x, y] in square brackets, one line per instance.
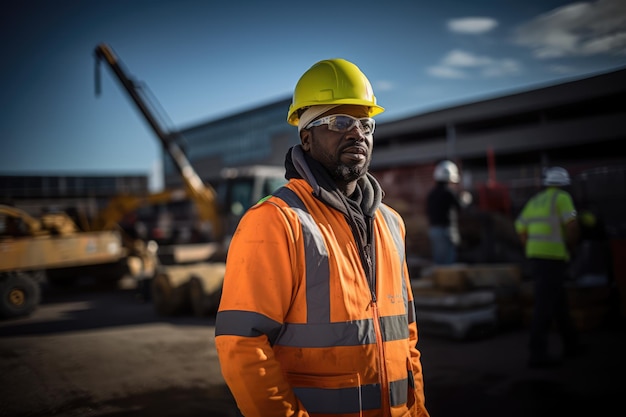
[299, 332]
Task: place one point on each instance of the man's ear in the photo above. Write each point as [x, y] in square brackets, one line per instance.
[305, 139]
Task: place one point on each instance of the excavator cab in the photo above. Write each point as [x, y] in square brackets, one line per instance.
[241, 188]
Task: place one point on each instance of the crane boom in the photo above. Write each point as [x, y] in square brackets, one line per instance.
[203, 195]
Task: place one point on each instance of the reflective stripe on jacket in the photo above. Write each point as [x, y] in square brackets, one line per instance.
[298, 331]
[543, 219]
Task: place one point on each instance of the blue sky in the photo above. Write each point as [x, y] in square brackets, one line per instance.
[203, 60]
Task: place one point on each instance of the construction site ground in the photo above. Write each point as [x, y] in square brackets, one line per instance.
[98, 351]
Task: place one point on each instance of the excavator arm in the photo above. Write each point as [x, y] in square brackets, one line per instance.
[203, 195]
[48, 224]
[34, 225]
[119, 206]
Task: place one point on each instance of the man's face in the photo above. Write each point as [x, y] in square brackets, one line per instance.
[346, 155]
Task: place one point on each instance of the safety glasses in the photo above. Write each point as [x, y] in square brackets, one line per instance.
[343, 122]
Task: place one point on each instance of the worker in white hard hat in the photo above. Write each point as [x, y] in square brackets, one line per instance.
[548, 229]
[443, 205]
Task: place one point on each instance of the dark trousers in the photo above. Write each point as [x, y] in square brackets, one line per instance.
[550, 306]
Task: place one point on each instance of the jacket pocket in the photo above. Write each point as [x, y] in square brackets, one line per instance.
[328, 393]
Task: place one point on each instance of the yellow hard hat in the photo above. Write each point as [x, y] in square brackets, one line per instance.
[332, 81]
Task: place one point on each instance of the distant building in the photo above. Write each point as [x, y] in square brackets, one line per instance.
[260, 136]
[88, 193]
[577, 123]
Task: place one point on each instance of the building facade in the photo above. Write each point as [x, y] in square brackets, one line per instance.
[85, 193]
[260, 136]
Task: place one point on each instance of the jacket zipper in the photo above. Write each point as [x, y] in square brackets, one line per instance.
[385, 401]
[368, 259]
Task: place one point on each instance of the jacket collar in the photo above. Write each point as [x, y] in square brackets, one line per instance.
[298, 164]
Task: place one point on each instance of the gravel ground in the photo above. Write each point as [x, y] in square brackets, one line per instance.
[104, 352]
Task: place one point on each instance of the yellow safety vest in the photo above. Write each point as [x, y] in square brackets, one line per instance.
[543, 219]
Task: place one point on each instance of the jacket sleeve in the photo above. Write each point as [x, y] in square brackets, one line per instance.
[521, 224]
[416, 362]
[258, 286]
[568, 215]
[419, 408]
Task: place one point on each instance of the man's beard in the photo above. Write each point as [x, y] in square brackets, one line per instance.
[348, 173]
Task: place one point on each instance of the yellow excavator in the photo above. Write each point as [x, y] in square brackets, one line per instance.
[30, 247]
[58, 248]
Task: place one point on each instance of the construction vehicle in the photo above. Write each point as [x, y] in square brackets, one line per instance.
[57, 248]
[30, 247]
[191, 279]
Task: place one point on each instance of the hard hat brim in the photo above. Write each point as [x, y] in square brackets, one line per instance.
[293, 117]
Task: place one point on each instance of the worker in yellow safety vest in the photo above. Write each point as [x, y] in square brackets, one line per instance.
[548, 229]
[316, 316]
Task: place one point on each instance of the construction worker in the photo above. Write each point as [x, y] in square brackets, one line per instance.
[548, 229]
[443, 205]
[316, 314]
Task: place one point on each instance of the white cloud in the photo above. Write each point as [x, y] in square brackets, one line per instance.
[578, 29]
[383, 85]
[561, 69]
[607, 44]
[501, 68]
[462, 64]
[458, 58]
[441, 71]
[472, 25]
